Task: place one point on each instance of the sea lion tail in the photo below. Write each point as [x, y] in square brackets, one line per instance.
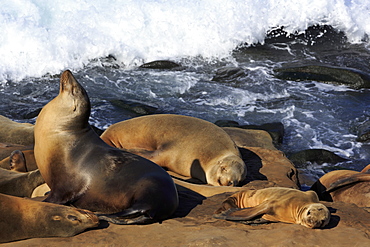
[128, 217]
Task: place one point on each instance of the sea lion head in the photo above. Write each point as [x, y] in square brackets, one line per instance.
[67, 221]
[229, 171]
[72, 103]
[315, 215]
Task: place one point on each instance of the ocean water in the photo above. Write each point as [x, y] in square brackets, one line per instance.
[104, 44]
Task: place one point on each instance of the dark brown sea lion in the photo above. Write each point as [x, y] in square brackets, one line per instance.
[345, 186]
[186, 145]
[23, 218]
[276, 204]
[83, 170]
[19, 184]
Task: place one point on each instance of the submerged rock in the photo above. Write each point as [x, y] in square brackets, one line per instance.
[134, 109]
[318, 156]
[324, 73]
[363, 132]
[228, 74]
[160, 64]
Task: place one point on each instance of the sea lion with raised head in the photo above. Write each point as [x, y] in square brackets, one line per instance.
[276, 204]
[83, 170]
[345, 186]
[185, 145]
[22, 218]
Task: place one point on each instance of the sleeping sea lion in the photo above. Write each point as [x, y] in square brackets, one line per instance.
[83, 170]
[276, 204]
[186, 145]
[22, 218]
[345, 186]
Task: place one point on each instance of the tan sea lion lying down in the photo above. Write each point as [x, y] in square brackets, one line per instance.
[276, 204]
[23, 218]
[185, 145]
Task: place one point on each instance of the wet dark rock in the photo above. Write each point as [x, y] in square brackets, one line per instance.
[318, 156]
[97, 130]
[364, 137]
[228, 74]
[32, 114]
[160, 64]
[134, 109]
[227, 123]
[323, 73]
[363, 132]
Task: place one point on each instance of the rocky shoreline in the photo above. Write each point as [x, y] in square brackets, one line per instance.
[193, 224]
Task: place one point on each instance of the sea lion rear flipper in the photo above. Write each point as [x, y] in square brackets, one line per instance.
[245, 213]
[128, 217]
[356, 178]
[17, 161]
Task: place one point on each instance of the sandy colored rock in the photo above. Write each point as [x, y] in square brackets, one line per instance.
[263, 160]
[250, 137]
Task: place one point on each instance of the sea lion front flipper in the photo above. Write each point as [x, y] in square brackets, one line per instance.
[356, 178]
[128, 217]
[245, 213]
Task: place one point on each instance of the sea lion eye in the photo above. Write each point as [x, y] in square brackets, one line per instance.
[72, 217]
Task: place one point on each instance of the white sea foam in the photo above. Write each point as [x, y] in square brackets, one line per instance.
[42, 36]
